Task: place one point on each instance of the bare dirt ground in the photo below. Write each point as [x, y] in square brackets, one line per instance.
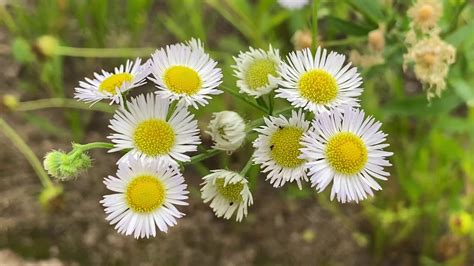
[278, 231]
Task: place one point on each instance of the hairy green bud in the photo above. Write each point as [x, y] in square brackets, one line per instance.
[64, 166]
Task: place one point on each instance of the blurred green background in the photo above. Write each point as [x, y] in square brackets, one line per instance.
[423, 215]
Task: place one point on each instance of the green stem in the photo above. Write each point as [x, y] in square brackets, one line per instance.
[104, 52]
[93, 145]
[243, 98]
[257, 122]
[314, 36]
[62, 103]
[346, 41]
[27, 152]
[203, 156]
[247, 166]
[271, 102]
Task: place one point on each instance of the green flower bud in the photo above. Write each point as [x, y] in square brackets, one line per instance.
[46, 45]
[460, 223]
[65, 167]
[10, 101]
[50, 196]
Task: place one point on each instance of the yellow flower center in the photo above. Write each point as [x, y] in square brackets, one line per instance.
[182, 80]
[346, 153]
[145, 194]
[285, 147]
[258, 71]
[230, 192]
[114, 82]
[318, 86]
[425, 12]
[154, 137]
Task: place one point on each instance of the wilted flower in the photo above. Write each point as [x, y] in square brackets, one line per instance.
[376, 39]
[425, 15]
[227, 130]
[432, 57]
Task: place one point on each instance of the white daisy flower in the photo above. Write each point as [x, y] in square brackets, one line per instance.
[257, 71]
[185, 72]
[228, 192]
[293, 4]
[348, 150]
[146, 131]
[227, 130]
[319, 83]
[277, 148]
[145, 197]
[112, 85]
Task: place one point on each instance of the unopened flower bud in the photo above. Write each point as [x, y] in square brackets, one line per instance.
[376, 40]
[50, 196]
[460, 223]
[46, 46]
[65, 167]
[10, 101]
[302, 39]
[227, 130]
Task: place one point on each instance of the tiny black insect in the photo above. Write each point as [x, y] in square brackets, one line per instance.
[271, 147]
[231, 203]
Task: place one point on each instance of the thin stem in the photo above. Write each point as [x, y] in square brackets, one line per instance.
[247, 166]
[243, 98]
[62, 103]
[255, 123]
[346, 41]
[27, 152]
[315, 8]
[93, 145]
[104, 52]
[203, 156]
[271, 103]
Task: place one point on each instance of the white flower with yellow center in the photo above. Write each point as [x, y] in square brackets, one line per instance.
[293, 4]
[112, 85]
[257, 71]
[228, 192]
[148, 132]
[145, 197]
[185, 72]
[320, 83]
[278, 148]
[346, 149]
[227, 130]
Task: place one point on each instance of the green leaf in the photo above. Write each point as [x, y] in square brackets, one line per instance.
[461, 34]
[21, 51]
[370, 9]
[418, 106]
[349, 28]
[464, 90]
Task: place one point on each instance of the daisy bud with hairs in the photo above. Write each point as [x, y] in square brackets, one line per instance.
[227, 130]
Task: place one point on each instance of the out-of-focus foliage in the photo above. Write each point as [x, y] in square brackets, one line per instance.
[433, 173]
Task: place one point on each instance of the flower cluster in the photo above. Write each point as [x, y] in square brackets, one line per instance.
[430, 55]
[156, 132]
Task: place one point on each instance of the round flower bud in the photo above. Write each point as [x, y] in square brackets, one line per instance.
[302, 39]
[376, 40]
[461, 223]
[46, 45]
[10, 101]
[227, 130]
[65, 167]
[50, 196]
